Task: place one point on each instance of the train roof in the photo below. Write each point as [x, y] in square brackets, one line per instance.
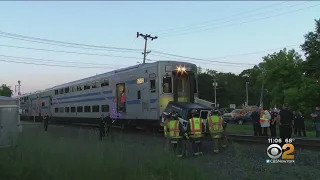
[99, 76]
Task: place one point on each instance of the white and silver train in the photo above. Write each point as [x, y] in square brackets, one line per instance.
[135, 95]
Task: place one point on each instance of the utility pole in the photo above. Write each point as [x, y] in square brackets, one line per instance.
[261, 96]
[145, 37]
[19, 96]
[247, 94]
[215, 84]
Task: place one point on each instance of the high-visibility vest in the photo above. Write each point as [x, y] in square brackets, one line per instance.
[196, 126]
[263, 117]
[174, 129]
[165, 129]
[215, 124]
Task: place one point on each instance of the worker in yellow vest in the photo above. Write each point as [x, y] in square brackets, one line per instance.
[265, 121]
[215, 129]
[176, 134]
[195, 130]
[165, 119]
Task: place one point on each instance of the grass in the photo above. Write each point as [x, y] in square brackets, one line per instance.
[248, 129]
[39, 156]
[53, 156]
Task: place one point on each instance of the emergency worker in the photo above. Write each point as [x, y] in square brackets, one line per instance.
[45, 121]
[273, 123]
[286, 122]
[265, 121]
[215, 128]
[224, 139]
[102, 127]
[255, 118]
[165, 119]
[195, 129]
[176, 133]
[299, 124]
[316, 119]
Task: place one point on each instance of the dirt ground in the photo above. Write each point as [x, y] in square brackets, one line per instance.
[238, 161]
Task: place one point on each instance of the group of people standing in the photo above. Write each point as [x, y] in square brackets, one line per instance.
[289, 122]
[178, 134]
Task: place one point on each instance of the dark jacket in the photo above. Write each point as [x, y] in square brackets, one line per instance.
[286, 117]
[255, 117]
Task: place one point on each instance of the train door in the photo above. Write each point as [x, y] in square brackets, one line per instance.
[183, 85]
[121, 97]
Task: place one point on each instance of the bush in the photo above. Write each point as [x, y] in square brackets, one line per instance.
[40, 156]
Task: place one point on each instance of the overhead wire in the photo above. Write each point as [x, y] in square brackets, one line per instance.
[57, 61]
[217, 19]
[244, 22]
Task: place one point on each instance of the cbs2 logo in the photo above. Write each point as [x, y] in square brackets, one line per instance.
[274, 151]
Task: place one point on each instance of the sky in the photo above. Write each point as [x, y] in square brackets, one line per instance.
[231, 32]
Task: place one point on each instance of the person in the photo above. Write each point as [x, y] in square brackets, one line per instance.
[265, 121]
[215, 128]
[299, 124]
[194, 130]
[102, 127]
[108, 121]
[45, 121]
[286, 121]
[176, 133]
[165, 123]
[224, 139]
[273, 123]
[255, 119]
[316, 119]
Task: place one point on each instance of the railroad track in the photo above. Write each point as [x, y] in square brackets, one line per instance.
[310, 144]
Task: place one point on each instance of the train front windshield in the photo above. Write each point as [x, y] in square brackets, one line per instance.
[184, 85]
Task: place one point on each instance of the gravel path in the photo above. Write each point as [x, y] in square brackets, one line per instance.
[238, 162]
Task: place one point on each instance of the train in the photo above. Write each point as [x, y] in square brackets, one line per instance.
[136, 95]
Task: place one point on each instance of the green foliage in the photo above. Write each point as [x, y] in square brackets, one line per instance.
[285, 76]
[5, 90]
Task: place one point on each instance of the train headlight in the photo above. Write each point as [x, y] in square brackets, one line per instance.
[181, 69]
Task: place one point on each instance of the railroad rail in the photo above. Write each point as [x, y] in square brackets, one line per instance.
[303, 143]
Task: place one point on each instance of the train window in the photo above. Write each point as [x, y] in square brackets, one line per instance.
[139, 94]
[86, 86]
[73, 109]
[66, 90]
[60, 91]
[153, 85]
[56, 110]
[179, 85]
[195, 86]
[79, 87]
[95, 84]
[42, 104]
[104, 82]
[104, 108]
[61, 109]
[96, 108]
[67, 109]
[87, 109]
[167, 84]
[56, 92]
[79, 109]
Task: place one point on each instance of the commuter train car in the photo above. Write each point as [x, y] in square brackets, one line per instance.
[135, 95]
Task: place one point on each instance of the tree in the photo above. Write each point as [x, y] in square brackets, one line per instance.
[5, 90]
[311, 47]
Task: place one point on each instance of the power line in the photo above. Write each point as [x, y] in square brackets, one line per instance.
[54, 61]
[51, 65]
[217, 19]
[222, 62]
[69, 52]
[64, 42]
[258, 19]
[72, 46]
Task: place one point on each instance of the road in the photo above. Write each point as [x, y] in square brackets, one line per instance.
[235, 162]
